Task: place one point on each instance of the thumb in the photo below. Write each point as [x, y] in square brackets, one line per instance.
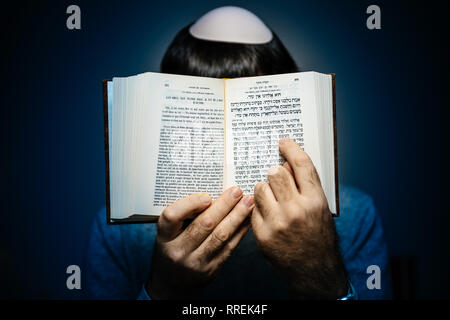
[171, 220]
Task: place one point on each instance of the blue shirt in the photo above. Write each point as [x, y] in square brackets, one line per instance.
[119, 258]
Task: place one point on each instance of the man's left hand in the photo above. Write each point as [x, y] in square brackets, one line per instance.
[295, 230]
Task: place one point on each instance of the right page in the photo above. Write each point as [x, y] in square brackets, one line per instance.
[261, 110]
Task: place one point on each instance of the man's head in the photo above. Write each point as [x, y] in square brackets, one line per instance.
[227, 54]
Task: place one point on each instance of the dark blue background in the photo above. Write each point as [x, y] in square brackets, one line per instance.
[391, 96]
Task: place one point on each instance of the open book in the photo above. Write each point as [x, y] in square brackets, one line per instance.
[167, 136]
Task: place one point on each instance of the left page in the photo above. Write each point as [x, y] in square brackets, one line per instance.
[177, 139]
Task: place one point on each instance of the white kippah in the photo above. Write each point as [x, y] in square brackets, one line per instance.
[231, 24]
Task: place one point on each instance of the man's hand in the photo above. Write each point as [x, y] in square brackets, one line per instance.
[185, 260]
[295, 230]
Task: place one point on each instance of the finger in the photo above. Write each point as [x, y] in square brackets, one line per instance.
[207, 221]
[257, 221]
[226, 228]
[171, 219]
[226, 251]
[289, 168]
[282, 183]
[264, 198]
[305, 173]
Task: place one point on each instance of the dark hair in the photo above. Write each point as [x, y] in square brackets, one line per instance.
[191, 56]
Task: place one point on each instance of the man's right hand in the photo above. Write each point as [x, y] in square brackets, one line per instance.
[186, 260]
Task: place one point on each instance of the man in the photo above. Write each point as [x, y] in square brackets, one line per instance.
[294, 249]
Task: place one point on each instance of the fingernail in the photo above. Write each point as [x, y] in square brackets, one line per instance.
[272, 171]
[249, 201]
[237, 192]
[283, 141]
[205, 198]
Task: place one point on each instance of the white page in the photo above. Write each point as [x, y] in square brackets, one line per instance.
[260, 111]
[326, 136]
[116, 146]
[182, 140]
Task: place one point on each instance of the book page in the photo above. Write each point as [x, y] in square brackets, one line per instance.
[259, 112]
[182, 140]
